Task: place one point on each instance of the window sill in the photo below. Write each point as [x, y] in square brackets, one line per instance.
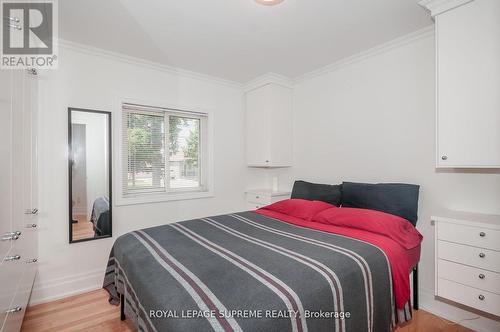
[162, 197]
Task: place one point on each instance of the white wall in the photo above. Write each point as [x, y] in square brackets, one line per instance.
[88, 80]
[374, 121]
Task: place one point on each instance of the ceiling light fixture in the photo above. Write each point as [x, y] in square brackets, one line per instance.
[269, 2]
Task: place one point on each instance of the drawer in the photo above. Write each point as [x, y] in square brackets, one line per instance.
[471, 235]
[469, 296]
[254, 206]
[470, 276]
[469, 255]
[10, 274]
[26, 246]
[259, 198]
[14, 319]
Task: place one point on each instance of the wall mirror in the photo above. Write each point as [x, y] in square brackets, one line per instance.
[90, 198]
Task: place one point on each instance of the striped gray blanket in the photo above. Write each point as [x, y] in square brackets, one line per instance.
[248, 272]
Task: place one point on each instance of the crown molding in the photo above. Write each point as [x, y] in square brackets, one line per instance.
[269, 78]
[91, 50]
[262, 80]
[380, 49]
[437, 7]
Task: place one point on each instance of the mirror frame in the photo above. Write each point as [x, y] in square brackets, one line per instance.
[70, 174]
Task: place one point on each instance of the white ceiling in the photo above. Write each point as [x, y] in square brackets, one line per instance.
[239, 39]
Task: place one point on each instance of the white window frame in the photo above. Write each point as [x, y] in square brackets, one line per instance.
[206, 149]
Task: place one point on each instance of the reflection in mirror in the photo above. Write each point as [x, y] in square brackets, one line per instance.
[89, 174]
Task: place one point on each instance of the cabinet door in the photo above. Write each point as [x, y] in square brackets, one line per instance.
[18, 153]
[29, 182]
[468, 59]
[281, 127]
[7, 276]
[258, 127]
[5, 153]
[19, 186]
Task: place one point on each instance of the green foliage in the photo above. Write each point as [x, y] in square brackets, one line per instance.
[175, 126]
[145, 145]
[191, 151]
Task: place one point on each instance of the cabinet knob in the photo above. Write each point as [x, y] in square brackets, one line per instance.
[267, 161]
[482, 255]
[32, 71]
[31, 225]
[444, 157]
[33, 260]
[481, 276]
[481, 297]
[482, 234]
[15, 309]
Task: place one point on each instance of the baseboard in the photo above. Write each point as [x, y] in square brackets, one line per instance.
[455, 314]
[59, 288]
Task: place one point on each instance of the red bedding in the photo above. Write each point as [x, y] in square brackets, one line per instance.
[401, 260]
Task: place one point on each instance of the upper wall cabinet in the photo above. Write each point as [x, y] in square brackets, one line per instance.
[468, 83]
[269, 126]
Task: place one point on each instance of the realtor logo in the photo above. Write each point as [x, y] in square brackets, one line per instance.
[28, 32]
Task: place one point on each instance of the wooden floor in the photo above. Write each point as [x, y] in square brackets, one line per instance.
[83, 229]
[92, 312]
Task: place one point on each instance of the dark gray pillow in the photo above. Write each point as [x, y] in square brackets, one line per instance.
[317, 192]
[399, 199]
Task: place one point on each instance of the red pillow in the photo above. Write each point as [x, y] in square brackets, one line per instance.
[299, 208]
[394, 227]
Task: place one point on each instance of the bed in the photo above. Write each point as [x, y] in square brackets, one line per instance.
[281, 268]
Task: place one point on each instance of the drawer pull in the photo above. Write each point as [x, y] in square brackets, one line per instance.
[11, 236]
[482, 234]
[12, 258]
[15, 309]
[481, 276]
[31, 211]
[481, 297]
[257, 197]
[482, 255]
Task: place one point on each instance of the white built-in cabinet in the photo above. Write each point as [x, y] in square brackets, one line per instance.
[467, 255]
[468, 82]
[18, 194]
[257, 198]
[269, 126]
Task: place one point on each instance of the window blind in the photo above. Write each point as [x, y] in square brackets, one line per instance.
[144, 150]
[163, 150]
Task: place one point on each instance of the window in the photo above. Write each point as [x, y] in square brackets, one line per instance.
[164, 151]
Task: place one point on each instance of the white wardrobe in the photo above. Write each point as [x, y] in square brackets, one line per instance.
[269, 126]
[468, 82]
[18, 194]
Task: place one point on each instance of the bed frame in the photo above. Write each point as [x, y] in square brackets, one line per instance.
[415, 294]
[415, 287]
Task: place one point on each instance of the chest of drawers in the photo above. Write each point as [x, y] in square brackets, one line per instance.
[467, 255]
[257, 198]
